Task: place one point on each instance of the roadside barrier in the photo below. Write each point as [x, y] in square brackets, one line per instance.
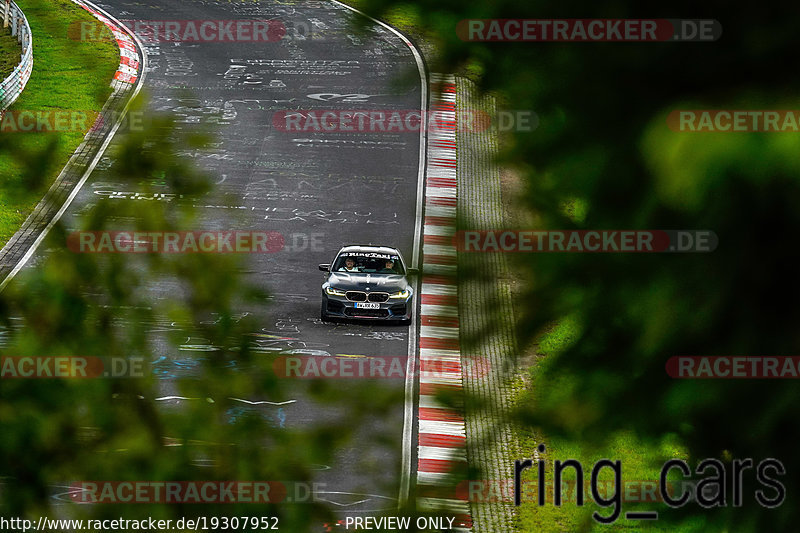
[12, 86]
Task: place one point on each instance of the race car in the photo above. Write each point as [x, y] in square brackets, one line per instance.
[366, 281]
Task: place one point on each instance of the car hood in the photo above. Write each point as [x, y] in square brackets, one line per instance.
[347, 281]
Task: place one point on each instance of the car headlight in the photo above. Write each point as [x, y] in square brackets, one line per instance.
[334, 292]
[401, 294]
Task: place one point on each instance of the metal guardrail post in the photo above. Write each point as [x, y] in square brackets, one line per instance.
[11, 87]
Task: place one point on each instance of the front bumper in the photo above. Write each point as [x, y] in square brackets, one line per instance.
[341, 307]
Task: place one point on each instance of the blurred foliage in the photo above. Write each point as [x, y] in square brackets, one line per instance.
[190, 315]
[69, 75]
[603, 140]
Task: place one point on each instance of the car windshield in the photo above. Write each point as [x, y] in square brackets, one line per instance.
[369, 263]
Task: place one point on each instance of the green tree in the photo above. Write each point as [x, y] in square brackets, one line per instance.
[603, 140]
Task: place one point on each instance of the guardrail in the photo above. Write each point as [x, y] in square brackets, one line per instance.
[12, 86]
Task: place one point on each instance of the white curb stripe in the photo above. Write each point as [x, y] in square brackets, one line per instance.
[443, 454]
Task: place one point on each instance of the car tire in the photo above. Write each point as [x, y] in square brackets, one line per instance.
[405, 322]
[322, 315]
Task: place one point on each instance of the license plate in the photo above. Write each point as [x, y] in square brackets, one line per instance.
[367, 305]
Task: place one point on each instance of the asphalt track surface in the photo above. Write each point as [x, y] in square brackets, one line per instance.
[341, 188]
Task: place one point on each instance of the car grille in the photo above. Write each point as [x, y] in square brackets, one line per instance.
[356, 296]
[352, 311]
[359, 296]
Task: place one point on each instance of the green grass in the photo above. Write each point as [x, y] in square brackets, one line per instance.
[575, 209]
[641, 462]
[69, 75]
[10, 51]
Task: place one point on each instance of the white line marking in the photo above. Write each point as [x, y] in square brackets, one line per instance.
[445, 270]
[438, 352]
[439, 310]
[434, 478]
[439, 289]
[443, 454]
[456, 357]
[163, 398]
[447, 250]
[287, 402]
[442, 378]
[439, 332]
[440, 211]
[438, 427]
[442, 192]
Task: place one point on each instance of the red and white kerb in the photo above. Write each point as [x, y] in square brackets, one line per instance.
[442, 434]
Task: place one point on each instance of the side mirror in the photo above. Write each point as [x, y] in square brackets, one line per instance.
[325, 267]
[413, 271]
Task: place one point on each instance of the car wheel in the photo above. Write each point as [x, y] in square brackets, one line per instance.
[405, 322]
[322, 315]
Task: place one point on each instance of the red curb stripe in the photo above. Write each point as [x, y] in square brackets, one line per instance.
[441, 201]
[432, 389]
[442, 441]
[129, 62]
[440, 259]
[438, 466]
[439, 321]
[442, 87]
[439, 344]
[432, 366]
[442, 182]
[439, 299]
[444, 144]
[439, 280]
[126, 78]
[437, 239]
[439, 366]
[440, 415]
[463, 520]
[440, 221]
